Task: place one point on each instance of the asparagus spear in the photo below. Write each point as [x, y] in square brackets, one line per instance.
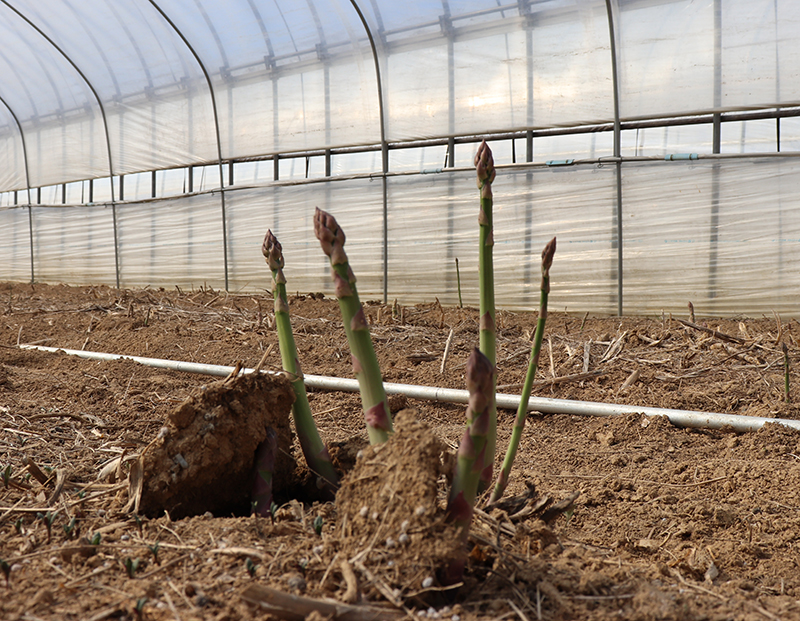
[480, 375]
[265, 466]
[314, 451]
[484, 167]
[365, 364]
[522, 412]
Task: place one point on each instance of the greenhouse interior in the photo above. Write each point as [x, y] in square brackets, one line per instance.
[154, 142]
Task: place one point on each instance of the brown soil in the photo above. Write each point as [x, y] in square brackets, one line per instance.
[669, 523]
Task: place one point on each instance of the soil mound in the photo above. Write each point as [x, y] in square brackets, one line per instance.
[389, 512]
[203, 458]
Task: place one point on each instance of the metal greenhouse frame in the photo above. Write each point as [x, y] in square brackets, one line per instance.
[153, 142]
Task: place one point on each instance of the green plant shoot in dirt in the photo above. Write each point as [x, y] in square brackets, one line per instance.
[522, 412]
[314, 451]
[480, 376]
[484, 167]
[786, 392]
[365, 363]
[266, 453]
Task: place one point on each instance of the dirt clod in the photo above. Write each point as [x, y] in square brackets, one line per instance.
[204, 460]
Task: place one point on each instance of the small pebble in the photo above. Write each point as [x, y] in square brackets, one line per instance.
[101, 512]
[455, 618]
[427, 583]
[419, 511]
[390, 563]
[296, 582]
[181, 461]
[404, 526]
[375, 516]
[125, 537]
[318, 550]
[364, 511]
[403, 539]
[208, 515]
[390, 543]
[432, 613]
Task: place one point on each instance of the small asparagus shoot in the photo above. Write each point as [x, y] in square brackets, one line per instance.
[265, 467]
[522, 412]
[484, 167]
[786, 372]
[480, 376]
[458, 282]
[314, 451]
[365, 363]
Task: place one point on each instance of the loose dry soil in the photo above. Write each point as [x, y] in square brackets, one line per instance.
[669, 523]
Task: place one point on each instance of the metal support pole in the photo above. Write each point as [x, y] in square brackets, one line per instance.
[617, 233]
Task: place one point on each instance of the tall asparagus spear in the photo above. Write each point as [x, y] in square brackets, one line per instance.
[484, 167]
[480, 375]
[365, 363]
[314, 451]
[522, 412]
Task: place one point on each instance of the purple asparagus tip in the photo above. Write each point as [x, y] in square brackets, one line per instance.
[484, 166]
[330, 236]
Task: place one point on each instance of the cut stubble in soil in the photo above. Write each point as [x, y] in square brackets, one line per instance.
[659, 523]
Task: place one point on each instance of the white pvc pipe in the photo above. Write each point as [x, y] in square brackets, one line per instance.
[681, 418]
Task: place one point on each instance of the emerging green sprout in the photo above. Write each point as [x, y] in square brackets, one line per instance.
[69, 527]
[6, 569]
[154, 551]
[131, 566]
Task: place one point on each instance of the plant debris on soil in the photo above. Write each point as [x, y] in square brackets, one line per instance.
[625, 517]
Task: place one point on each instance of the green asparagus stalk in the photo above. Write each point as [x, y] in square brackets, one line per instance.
[786, 372]
[265, 466]
[484, 167]
[365, 363]
[480, 375]
[314, 451]
[522, 412]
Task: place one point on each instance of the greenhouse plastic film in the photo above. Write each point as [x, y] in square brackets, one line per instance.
[723, 235]
[288, 211]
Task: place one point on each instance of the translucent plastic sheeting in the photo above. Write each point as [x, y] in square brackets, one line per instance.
[12, 162]
[40, 86]
[156, 101]
[288, 211]
[73, 244]
[723, 235]
[287, 75]
[473, 68]
[434, 220]
[685, 56]
[15, 247]
[174, 242]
